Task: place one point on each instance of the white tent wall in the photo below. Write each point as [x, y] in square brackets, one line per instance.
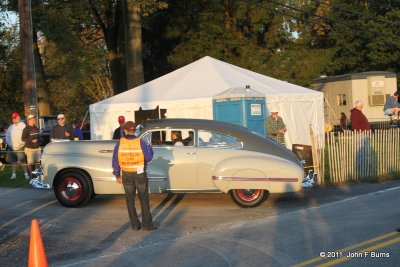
[188, 91]
[104, 121]
[298, 117]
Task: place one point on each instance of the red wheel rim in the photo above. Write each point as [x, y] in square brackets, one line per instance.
[248, 195]
[71, 189]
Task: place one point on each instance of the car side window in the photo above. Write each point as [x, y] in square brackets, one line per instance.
[214, 139]
[170, 137]
[153, 137]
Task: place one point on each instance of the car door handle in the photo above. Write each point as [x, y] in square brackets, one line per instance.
[106, 151]
[191, 153]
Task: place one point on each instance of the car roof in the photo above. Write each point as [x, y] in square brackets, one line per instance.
[196, 124]
[252, 141]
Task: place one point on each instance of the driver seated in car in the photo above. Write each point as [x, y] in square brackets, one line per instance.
[176, 138]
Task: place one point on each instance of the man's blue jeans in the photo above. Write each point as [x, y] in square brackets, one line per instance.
[132, 182]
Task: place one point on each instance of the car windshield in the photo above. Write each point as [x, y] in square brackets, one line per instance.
[139, 129]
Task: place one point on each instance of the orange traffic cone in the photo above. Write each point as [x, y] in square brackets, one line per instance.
[37, 255]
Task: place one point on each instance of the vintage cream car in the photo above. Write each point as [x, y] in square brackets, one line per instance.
[216, 157]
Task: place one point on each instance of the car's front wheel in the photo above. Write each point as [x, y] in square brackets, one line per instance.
[73, 188]
[248, 198]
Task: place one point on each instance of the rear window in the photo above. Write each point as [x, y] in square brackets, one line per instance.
[165, 137]
[214, 139]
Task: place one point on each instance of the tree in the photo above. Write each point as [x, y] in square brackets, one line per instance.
[256, 37]
[363, 36]
[121, 24]
[28, 68]
[10, 75]
[134, 58]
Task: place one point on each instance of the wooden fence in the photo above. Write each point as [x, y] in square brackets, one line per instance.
[356, 155]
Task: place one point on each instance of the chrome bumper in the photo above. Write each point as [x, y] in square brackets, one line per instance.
[37, 182]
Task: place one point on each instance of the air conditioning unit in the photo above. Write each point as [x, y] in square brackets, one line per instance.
[376, 91]
[377, 100]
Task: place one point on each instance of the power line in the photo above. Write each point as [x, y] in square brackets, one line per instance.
[356, 13]
[295, 17]
[379, 2]
[313, 22]
[333, 20]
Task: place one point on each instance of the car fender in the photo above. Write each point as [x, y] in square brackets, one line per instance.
[271, 173]
[100, 173]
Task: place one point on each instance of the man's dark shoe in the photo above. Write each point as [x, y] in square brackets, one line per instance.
[150, 228]
[136, 228]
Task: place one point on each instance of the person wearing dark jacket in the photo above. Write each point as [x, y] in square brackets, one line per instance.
[119, 132]
[62, 131]
[129, 163]
[30, 135]
[359, 123]
[358, 120]
[77, 131]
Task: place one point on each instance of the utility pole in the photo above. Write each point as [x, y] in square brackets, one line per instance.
[28, 65]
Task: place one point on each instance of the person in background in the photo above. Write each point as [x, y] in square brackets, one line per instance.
[275, 127]
[188, 141]
[62, 131]
[30, 135]
[358, 120]
[343, 121]
[16, 145]
[359, 124]
[77, 131]
[392, 107]
[129, 163]
[119, 132]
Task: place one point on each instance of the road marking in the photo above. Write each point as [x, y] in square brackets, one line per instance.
[346, 249]
[23, 203]
[27, 213]
[9, 191]
[373, 248]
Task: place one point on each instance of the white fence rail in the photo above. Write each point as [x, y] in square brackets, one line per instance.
[356, 155]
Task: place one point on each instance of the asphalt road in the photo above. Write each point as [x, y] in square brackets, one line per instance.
[210, 230]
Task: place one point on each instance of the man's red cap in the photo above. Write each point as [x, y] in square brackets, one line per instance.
[15, 115]
[121, 119]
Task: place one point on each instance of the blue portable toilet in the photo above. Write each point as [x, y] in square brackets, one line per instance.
[243, 106]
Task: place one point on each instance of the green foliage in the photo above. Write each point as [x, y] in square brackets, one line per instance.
[10, 77]
[151, 6]
[259, 40]
[20, 181]
[369, 42]
[72, 55]
[270, 37]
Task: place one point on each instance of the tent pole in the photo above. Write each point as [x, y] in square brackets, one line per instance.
[84, 118]
[330, 108]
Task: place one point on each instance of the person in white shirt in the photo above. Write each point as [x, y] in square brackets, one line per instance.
[16, 146]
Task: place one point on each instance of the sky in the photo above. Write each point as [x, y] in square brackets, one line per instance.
[9, 18]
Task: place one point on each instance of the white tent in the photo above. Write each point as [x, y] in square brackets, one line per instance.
[187, 93]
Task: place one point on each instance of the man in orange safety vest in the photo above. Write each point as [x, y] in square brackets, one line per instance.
[130, 158]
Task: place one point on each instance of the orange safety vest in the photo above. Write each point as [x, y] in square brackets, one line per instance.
[130, 154]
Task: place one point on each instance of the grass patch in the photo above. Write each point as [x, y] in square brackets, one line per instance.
[5, 180]
[382, 178]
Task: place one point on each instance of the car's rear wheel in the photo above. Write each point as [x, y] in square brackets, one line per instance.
[73, 188]
[248, 198]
